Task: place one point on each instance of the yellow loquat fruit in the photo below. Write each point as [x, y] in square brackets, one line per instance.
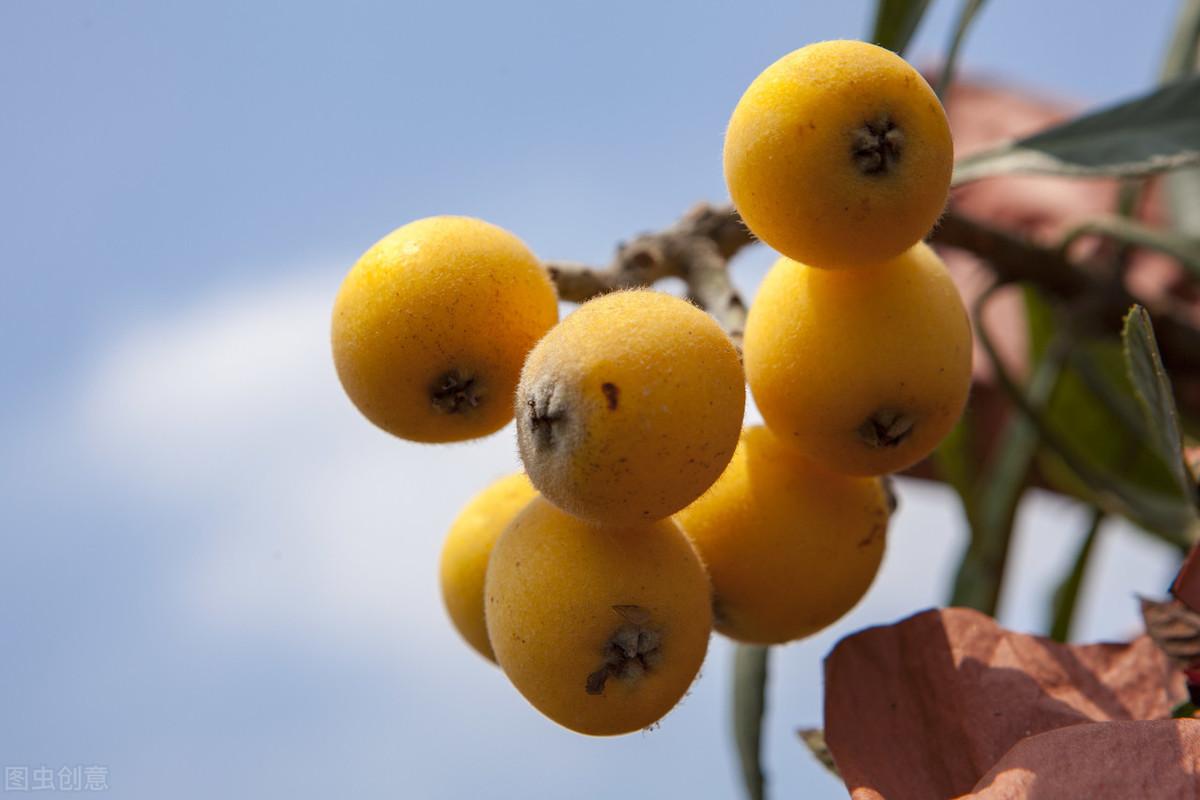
[864, 371]
[601, 628]
[630, 407]
[431, 325]
[790, 546]
[839, 155]
[468, 547]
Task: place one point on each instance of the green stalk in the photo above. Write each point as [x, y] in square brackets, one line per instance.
[749, 708]
[1067, 594]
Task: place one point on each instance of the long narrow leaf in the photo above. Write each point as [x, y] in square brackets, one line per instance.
[992, 506]
[896, 21]
[954, 458]
[1183, 54]
[1182, 187]
[1062, 605]
[966, 15]
[1152, 133]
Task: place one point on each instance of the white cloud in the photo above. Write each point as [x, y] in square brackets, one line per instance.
[307, 519]
[237, 375]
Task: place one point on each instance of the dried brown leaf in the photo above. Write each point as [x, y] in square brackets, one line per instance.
[1174, 627]
[924, 708]
[1100, 761]
[814, 740]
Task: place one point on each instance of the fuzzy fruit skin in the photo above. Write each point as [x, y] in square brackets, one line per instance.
[790, 546]
[645, 394]
[826, 350]
[468, 547]
[553, 588]
[790, 163]
[438, 296]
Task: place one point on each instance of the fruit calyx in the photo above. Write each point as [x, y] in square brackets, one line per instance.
[886, 428]
[456, 392]
[877, 146]
[546, 410]
[634, 649]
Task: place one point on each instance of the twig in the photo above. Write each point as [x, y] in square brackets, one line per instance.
[1184, 249]
[696, 249]
[1013, 259]
[699, 246]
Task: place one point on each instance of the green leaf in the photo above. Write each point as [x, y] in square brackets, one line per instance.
[1066, 596]
[1153, 391]
[1098, 446]
[993, 500]
[1152, 133]
[896, 21]
[1182, 188]
[1095, 414]
[966, 15]
[749, 705]
[954, 457]
[1183, 54]
[814, 739]
[1101, 454]
[1039, 318]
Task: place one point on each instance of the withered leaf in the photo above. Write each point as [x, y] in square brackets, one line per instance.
[814, 739]
[924, 708]
[1174, 627]
[1100, 761]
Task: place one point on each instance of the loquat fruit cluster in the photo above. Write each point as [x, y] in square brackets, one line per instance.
[646, 515]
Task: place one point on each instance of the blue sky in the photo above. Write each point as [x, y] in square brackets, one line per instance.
[219, 580]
